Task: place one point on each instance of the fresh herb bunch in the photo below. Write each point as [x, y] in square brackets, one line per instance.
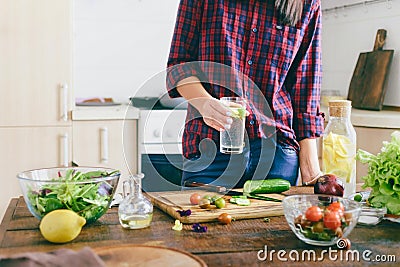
[384, 175]
[89, 200]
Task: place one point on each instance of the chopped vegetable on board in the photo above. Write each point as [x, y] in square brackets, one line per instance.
[178, 226]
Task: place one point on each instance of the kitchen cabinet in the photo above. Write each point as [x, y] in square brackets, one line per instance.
[106, 143]
[35, 65]
[35, 84]
[25, 148]
[371, 140]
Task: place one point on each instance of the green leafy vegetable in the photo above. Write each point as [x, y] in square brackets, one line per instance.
[384, 175]
[88, 199]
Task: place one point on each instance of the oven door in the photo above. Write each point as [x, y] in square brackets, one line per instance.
[162, 172]
[160, 147]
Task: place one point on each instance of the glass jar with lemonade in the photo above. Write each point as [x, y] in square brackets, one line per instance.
[339, 145]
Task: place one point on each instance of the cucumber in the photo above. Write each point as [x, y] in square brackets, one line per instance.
[265, 186]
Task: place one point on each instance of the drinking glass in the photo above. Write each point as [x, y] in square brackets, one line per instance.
[232, 139]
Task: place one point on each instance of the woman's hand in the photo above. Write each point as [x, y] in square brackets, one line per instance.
[309, 163]
[214, 113]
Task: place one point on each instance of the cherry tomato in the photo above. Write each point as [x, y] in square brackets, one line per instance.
[225, 218]
[220, 203]
[335, 206]
[314, 214]
[338, 207]
[195, 198]
[332, 219]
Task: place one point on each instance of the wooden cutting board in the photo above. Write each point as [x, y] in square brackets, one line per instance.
[170, 202]
[140, 255]
[368, 84]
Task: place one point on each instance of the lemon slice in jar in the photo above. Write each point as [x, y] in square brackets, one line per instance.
[337, 159]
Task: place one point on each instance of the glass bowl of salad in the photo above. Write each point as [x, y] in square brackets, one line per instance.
[321, 220]
[86, 190]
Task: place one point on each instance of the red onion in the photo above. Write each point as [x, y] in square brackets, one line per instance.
[329, 184]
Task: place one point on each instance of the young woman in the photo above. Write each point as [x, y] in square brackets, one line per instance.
[268, 52]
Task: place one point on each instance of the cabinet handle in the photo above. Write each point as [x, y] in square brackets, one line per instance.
[64, 102]
[64, 150]
[104, 145]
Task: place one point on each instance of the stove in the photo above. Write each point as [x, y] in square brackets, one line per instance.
[160, 132]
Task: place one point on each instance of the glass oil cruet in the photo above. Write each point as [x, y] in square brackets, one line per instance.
[135, 211]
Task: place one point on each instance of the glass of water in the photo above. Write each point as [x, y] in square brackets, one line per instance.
[232, 139]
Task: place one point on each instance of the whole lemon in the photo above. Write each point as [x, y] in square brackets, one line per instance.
[61, 226]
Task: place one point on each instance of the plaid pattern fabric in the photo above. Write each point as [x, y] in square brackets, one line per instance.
[242, 48]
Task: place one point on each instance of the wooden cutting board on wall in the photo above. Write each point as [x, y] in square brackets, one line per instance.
[368, 84]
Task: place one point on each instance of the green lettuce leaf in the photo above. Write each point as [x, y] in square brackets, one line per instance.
[383, 174]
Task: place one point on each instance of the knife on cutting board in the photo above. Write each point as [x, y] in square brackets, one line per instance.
[223, 190]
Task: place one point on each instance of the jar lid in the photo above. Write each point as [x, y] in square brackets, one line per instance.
[339, 108]
[340, 103]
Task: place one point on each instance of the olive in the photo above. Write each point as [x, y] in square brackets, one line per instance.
[317, 227]
[225, 218]
[213, 199]
[208, 197]
[204, 203]
[220, 203]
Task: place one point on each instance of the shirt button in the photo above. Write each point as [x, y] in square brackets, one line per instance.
[255, 30]
[249, 62]
[251, 122]
[279, 27]
[248, 94]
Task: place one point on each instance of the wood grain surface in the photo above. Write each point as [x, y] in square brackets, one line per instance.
[368, 84]
[170, 202]
[139, 255]
[236, 244]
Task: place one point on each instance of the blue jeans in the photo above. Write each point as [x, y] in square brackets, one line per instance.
[261, 159]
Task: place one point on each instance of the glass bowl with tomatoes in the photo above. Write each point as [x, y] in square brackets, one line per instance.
[321, 219]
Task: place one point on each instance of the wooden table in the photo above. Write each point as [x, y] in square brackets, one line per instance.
[236, 244]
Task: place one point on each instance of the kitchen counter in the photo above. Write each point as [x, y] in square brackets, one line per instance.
[236, 244]
[363, 118]
[117, 112]
[369, 118]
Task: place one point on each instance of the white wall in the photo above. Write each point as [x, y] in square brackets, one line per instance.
[119, 44]
[348, 32]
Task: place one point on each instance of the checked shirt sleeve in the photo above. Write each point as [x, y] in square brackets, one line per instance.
[308, 121]
[183, 51]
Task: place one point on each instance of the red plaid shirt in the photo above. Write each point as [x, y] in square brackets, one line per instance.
[276, 67]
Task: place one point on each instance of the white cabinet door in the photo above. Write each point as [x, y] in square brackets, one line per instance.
[35, 62]
[371, 140]
[106, 143]
[25, 148]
